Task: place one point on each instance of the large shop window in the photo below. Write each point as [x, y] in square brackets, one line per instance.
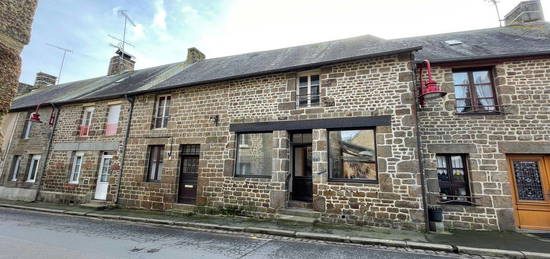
[162, 112]
[352, 155]
[308, 92]
[33, 168]
[453, 178]
[155, 163]
[254, 154]
[474, 91]
[75, 169]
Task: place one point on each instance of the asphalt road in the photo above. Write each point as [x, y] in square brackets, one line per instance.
[26, 234]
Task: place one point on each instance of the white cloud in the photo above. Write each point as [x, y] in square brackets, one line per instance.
[159, 19]
[138, 33]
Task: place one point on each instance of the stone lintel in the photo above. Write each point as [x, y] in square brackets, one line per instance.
[452, 148]
[524, 147]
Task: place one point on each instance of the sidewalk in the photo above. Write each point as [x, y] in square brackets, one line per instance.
[510, 244]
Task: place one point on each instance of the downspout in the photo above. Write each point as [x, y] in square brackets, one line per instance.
[48, 151]
[131, 100]
[419, 147]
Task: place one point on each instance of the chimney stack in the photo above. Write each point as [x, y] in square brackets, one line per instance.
[525, 12]
[43, 80]
[194, 55]
[121, 62]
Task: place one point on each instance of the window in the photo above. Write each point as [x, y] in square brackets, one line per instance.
[28, 127]
[33, 168]
[112, 120]
[155, 164]
[77, 165]
[162, 112]
[86, 121]
[474, 91]
[16, 164]
[352, 155]
[453, 178]
[254, 158]
[308, 93]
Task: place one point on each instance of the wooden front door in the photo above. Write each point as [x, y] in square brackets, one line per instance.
[302, 185]
[102, 185]
[189, 172]
[530, 178]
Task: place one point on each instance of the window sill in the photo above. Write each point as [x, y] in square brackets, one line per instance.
[254, 176]
[73, 183]
[336, 180]
[479, 113]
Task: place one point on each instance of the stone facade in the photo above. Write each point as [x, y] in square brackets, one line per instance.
[349, 89]
[522, 127]
[67, 141]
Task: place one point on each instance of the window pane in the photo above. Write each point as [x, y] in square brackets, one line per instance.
[441, 162]
[167, 106]
[488, 104]
[462, 92]
[482, 91]
[302, 81]
[314, 80]
[160, 107]
[461, 78]
[352, 154]
[481, 77]
[114, 114]
[456, 162]
[442, 175]
[258, 154]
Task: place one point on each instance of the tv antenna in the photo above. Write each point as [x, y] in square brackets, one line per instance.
[495, 3]
[65, 51]
[122, 42]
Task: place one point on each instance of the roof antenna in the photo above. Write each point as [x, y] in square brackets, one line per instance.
[65, 51]
[495, 3]
[122, 42]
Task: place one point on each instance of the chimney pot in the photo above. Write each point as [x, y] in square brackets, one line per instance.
[120, 62]
[194, 55]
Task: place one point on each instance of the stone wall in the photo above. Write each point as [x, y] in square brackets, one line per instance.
[67, 141]
[379, 86]
[523, 126]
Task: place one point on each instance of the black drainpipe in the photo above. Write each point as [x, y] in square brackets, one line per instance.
[48, 150]
[419, 147]
[131, 100]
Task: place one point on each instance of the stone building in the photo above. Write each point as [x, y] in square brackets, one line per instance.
[337, 131]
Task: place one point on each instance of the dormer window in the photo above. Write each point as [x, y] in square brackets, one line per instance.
[308, 89]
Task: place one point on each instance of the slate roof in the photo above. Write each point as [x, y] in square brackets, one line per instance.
[501, 42]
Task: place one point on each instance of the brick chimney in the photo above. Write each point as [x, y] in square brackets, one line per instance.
[194, 55]
[43, 80]
[525, 12]
[121, 62]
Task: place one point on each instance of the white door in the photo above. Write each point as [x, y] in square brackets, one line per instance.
[103, 178]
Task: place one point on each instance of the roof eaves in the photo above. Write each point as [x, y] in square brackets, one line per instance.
[498, 56]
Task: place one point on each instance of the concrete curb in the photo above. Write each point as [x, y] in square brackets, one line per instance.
[306, 235]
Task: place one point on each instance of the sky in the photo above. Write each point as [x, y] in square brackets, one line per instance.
[166, 28]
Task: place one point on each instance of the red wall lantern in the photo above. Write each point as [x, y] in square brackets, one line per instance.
[429, 89]
[36, 116]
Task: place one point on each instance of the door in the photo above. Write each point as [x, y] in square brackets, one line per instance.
[102, 185]
[189, 172]
[530, 178]
[302, 185]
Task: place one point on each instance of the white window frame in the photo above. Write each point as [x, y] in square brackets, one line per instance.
[307, 74]
[37, 159]
[15, 167]
[28, 128]
[164, 109]
[87, 121]
[73, 169]
[110, 113]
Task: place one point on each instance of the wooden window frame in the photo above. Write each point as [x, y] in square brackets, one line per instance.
[107, 124]
[309, 95]
[73, 167]
[165, 109]
[236, 166]
[15, 167]
[38, 157]
[86, 121]
[476, 109]
[333, 179]
[159, 150]
[27, 128]
[467, 199]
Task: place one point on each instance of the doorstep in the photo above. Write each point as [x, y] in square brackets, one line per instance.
[95, 205]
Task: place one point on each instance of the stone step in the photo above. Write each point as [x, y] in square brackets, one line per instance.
[182, 208]
[95, 204]
[297, 219]
[300, 212]
[300, 204]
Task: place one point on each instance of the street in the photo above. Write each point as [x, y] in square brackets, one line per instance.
[25, 234]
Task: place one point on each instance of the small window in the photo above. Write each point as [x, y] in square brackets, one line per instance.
[16, 164]
[75, 170]
[352, 155]
[254, 159]
[112, 120]
[155, 163]
[86, 121]
[162, 112]
[474, 91]
[308, 92]
[28, 127]
[453, 178]
[33, 168]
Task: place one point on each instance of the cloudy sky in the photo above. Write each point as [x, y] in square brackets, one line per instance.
[166, 28]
